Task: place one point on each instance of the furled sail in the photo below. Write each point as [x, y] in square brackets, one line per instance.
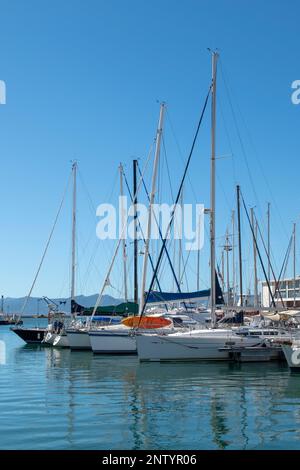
[125, 308]
[161, 297]
[156, 297]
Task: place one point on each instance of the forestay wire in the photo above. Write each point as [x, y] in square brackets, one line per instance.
[47, 246]
[176, 202]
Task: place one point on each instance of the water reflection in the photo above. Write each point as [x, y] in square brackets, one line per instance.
[85, 401]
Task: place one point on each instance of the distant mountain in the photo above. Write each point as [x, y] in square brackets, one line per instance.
[37, 305]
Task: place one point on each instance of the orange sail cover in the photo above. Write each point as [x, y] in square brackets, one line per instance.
[146, 322]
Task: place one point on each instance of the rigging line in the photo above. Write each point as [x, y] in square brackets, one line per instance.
[92, 205]
[172, 195]
[168, 168]
[185, 261]
[160, 195]
[202, 280]
[161, 237]
[79, 282]
[244, 153]
[108, 253]
[184, 269]
[114, 185]
[239, 136]
[186, 278]
[288, 257]
[284, 265]
[223, 191]
[94, 251]
[268, 184]
[179, 151]
[268, 258]
[47, 245]
[250, 270]
[160, 233]
[92, 208]
[261, 167]
[97, 242]
[194, 271]
[258, 251]
[78, 270]
[229, 140]
[86, 244]
[83, 249]
[91, 262]
[272, 257]
[287, 262]
[168, 171]
[65, 286]
[139, 224]
[106, 279]
[177, 197]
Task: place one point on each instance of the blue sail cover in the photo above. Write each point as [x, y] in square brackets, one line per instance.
[160, 297]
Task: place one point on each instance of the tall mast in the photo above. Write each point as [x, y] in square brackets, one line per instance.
[215, 56]
[254, 228]
[74, 171]
[233, 257]
[223, 270]
[180, 238]
[269, 246]
[227, 248]
[123, 222]
[152, 196]
[240, 243]
[135, 241]
[294, 263]
[198, 256]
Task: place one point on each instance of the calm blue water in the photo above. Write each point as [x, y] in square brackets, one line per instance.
[55, 399]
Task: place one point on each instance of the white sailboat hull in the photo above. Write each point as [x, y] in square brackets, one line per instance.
[49, 338]
[112, 342]
[292, 355]
[79, 340]
[61, 341]
[118, 339]
[206, 345]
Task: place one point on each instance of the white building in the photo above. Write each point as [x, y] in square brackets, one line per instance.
[288, 290]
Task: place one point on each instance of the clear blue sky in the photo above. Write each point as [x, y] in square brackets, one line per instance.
[83, 79]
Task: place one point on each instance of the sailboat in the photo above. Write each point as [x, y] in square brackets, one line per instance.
[291, 351]
[10, 320]
[119, 339]
[83, 336]
[198, 344]
[6, 319]
[54, 334]
[58, 337]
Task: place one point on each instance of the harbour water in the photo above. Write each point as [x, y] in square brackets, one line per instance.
[55, 399]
